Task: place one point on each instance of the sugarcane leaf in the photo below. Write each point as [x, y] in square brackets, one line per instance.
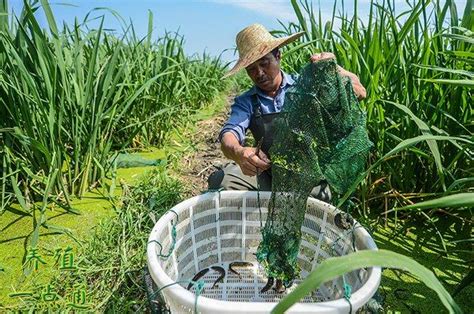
[467, 83]
[447, 70]
[425, 129]
[460, 182]
[401, 146]
[452, 201]
[300, 17]
[334, 267]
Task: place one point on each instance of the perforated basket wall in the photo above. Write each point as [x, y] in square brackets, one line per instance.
[216, 229]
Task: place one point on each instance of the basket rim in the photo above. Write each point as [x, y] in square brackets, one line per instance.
[187, 298]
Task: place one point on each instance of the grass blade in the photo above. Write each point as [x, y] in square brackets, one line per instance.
[335, 267]
[451, 201]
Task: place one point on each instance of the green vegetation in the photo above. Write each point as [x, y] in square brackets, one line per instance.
[105, 249]
[417, 67]
[111, 262]
[80, 96]
[338, 266]
[418, 73]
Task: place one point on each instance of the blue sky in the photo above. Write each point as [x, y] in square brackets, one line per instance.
[207, 25]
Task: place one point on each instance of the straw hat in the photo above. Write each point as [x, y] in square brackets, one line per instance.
[253, 42]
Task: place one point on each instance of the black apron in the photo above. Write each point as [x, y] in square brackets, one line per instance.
[262, 127]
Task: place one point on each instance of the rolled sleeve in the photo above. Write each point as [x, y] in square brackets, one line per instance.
[239, 119]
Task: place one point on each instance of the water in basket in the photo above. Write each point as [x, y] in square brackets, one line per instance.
[218, 228]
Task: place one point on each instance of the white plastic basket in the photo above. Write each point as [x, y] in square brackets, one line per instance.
[218, 228]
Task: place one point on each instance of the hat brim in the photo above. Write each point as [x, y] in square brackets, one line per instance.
[261, 51]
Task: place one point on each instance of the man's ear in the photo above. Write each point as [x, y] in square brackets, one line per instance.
[278, 56]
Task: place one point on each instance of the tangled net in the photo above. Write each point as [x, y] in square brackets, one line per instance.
[321, 135]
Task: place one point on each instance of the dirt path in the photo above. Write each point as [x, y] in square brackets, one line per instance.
[208, 156]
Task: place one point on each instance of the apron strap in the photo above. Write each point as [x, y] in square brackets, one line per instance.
[257, 113]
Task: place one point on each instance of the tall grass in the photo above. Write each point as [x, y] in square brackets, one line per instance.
[417, 67]
[71, 97]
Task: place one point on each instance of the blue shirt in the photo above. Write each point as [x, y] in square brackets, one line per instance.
[242, 109]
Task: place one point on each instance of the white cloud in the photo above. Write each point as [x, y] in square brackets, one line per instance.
[279, 9]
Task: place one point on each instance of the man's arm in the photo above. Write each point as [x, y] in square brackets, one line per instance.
[359, 89]
[232, 136]
[245, 157]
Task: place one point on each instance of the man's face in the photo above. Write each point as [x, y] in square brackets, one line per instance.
[265, 71]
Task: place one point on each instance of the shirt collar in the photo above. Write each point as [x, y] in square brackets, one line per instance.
[287, 80]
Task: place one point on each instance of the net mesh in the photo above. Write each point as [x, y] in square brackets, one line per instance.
[321, 135]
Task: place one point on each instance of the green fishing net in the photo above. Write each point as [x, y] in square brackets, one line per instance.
[321, 135]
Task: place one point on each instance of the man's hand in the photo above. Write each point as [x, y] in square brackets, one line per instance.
[250, 163]
[322, 56]
[245, 157]
[359, 89]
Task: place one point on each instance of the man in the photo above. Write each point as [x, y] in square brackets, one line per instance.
[256, 110]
